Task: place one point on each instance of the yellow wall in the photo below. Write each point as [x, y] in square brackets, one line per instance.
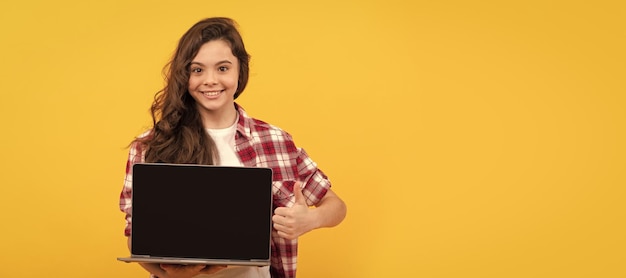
[469, 138]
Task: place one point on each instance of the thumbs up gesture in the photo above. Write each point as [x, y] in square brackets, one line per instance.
[292, 222]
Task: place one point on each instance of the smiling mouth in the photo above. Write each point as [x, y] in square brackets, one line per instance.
[212, 93]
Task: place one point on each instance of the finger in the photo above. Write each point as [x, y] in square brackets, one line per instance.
[286, 235]
[182, 267]
[170, 266]
[278, 219]
[282, 211]
[210, 269]
[297, 191]
[279, 228]
[282, 222]
[199, 267]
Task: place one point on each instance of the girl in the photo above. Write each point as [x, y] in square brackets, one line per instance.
[196, 120]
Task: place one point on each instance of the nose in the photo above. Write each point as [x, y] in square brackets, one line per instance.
[210, 77]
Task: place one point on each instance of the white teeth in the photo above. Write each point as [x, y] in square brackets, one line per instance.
[209, 94]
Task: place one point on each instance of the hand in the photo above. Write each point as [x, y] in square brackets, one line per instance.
[297, 220]
[188, 271]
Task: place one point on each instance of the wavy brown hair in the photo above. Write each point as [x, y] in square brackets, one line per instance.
[178, 135]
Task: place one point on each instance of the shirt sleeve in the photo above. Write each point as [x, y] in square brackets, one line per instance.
[316, 183]
[135, 155]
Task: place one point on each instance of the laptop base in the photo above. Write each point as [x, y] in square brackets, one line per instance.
[187, 261]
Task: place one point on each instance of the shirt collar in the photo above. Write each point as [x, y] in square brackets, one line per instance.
[243, 123]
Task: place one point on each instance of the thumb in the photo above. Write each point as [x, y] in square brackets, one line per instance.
[297, 191]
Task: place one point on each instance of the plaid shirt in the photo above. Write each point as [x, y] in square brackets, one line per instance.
[259, 144]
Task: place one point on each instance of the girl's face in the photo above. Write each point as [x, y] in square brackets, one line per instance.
[213, 77]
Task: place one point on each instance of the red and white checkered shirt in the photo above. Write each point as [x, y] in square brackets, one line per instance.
[259, 144]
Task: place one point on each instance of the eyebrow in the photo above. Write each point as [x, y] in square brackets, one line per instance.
[218, 63]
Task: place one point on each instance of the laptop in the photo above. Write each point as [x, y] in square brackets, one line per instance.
[201, 214]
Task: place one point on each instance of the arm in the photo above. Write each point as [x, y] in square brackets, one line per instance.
[330, 211]
[292, 222]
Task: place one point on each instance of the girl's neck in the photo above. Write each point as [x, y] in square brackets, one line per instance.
[219, 119]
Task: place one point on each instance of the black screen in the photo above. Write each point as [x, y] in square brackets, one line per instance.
[207, 212]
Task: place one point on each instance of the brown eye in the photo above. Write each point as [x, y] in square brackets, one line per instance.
[223, 68]
[196, 70]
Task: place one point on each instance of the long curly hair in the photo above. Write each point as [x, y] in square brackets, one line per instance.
[178, 135]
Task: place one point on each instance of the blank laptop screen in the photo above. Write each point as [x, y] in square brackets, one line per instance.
[196, 211]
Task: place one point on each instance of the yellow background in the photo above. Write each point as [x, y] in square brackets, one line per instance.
[468, 138]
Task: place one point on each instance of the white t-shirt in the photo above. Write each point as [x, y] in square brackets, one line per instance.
[224, 139]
